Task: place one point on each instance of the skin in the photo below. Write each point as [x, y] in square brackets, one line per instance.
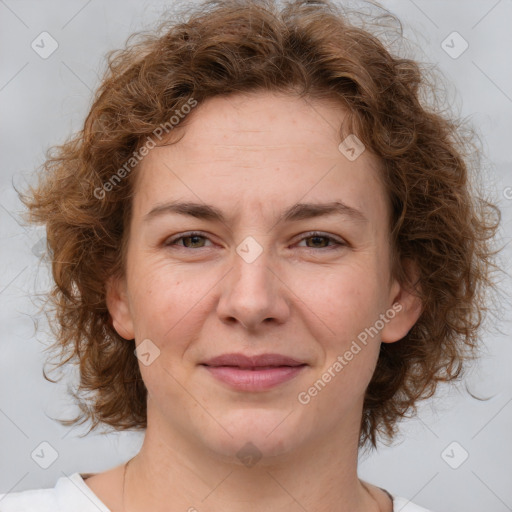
[253, 156]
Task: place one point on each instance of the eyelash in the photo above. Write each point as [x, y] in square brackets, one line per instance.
[313, 234]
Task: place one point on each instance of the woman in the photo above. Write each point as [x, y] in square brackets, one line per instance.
[266, 251]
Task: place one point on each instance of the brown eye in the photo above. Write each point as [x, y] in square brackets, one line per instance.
[188, 241]
[193, 240]
[318, 241]
[321, 241]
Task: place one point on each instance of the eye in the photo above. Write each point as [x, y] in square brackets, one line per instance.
[196, 240]
[320, 240]
[190, 240]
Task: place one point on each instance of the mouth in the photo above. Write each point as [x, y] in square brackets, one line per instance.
[253, 373]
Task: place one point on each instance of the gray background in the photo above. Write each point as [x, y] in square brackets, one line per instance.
[43, 100]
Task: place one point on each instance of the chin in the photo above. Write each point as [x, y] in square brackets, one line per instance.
[257, 435]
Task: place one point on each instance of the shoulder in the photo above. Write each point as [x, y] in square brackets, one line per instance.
[399, 504]
[404, 505]
[69, 493]
[40, 500]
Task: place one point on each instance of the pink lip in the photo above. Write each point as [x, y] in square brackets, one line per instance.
[253, 373]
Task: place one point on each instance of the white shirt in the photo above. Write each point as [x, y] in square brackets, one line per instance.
[72, 494]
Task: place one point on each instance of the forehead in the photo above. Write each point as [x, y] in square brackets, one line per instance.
[271, 121]
[261, 150]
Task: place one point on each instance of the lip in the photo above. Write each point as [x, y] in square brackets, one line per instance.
[244, 361]
[253, 373]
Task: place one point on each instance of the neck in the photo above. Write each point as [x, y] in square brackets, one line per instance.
[175, 473]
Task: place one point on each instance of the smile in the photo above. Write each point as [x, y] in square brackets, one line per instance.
[253, 373]
[254, 379]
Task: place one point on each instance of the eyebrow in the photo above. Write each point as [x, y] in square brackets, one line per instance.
[297, 212]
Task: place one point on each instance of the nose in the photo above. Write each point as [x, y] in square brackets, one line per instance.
[254, 294]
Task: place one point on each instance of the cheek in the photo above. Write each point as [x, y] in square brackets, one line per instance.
[166, 301]
[349, 302]
[346, 299]
[350, 306]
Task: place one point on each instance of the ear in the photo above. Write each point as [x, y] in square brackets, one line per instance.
[406, 305]
[118, 307]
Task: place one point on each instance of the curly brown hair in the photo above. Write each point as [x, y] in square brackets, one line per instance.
[309, 49]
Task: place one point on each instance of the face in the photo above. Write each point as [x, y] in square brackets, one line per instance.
[246, 268]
